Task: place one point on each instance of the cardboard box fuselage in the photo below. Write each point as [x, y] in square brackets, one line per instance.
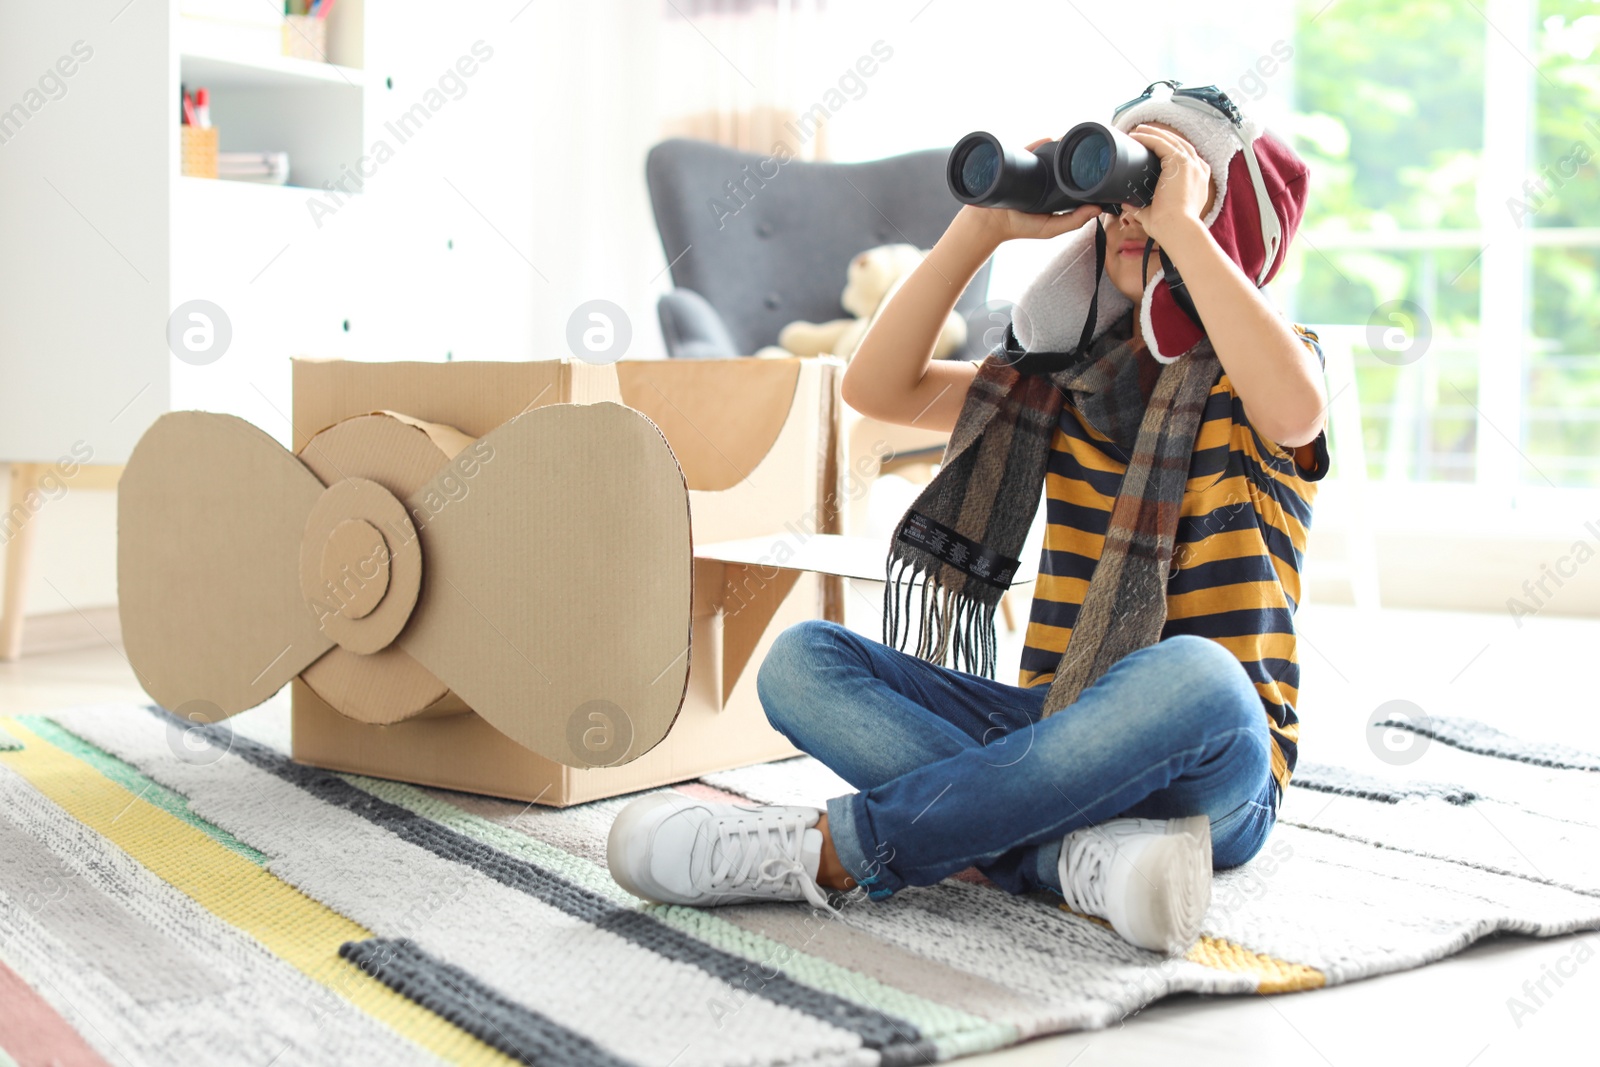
[757, 441]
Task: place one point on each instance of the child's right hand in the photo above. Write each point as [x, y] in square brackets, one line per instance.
[1006, 224]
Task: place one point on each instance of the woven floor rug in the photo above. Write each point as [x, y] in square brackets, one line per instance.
[181, 898]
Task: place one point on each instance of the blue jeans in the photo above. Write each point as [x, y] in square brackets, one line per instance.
[958, 771]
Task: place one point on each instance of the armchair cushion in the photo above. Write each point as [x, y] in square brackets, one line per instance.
[692, 328]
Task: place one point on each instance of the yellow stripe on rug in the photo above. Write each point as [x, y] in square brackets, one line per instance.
[1272, 975]
[298, 930]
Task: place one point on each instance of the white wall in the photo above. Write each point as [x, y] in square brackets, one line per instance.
[83, 223]
[75, 562]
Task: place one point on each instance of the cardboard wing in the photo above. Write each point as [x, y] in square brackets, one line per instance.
[539, 575]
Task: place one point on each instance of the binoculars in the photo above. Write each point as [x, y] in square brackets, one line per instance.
[1093, 164]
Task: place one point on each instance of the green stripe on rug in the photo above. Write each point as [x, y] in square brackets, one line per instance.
[953, 1031]
[131, 779]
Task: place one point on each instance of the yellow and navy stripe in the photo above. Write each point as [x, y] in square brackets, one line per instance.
[1236, 564]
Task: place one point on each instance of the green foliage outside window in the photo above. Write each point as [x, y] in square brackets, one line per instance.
[1390, 114]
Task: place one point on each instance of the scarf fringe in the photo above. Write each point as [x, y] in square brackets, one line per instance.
[954, 629]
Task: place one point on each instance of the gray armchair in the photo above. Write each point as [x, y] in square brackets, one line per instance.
[750, 253]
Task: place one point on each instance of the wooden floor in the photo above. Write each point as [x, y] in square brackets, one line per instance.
[1535, 680]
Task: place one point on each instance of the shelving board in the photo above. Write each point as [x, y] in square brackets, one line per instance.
[225, 72]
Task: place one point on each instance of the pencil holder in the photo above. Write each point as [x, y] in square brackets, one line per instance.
[198, 151]
[305, 37]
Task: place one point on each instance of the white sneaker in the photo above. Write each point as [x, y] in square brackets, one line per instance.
[669, 848]
[1150, 878]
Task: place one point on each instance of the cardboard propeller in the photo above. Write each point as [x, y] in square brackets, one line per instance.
[403, 569]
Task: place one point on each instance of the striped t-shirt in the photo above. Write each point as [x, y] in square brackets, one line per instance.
[1236, 563]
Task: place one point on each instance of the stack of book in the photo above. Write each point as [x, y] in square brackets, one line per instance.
[269, 168]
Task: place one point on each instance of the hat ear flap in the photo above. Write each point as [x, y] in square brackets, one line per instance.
[1168, 330]
[1050, 314]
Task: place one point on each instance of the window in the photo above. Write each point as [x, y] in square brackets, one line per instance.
[1456, 152]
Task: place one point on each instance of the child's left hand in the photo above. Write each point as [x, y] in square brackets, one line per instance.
[1183, 192]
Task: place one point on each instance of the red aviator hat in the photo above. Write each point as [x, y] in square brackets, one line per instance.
[1261, 196]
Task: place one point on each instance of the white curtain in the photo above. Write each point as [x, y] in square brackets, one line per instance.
[741, 72]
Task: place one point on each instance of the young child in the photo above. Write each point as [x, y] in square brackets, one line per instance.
[1153, 730]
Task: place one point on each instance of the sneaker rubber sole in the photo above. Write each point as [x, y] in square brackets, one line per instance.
[1171, 879]
[627, 856]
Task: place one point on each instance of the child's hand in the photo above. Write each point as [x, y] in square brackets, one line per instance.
[1006, 224]
[1183, 192]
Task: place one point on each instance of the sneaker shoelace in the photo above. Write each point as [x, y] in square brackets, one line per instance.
[736, 860]
[1088, 861]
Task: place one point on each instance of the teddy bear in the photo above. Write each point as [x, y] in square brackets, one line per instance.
[872, 278]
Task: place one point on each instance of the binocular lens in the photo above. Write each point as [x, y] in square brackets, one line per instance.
[1092, 164]
[979, 167]
[1103, 165]
[1090, 160]
[981, 171]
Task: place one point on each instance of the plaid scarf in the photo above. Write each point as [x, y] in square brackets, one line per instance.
[961, 537]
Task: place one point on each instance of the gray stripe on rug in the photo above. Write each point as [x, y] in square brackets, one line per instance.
[897, 967]
[897, 1041]
[144, 963]
[1342, 781]
[482, 1011]
[1470, 735]
[1359, 838]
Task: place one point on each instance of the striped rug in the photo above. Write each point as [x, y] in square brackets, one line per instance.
[181, 896]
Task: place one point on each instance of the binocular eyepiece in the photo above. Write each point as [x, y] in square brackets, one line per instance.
[1093, 164]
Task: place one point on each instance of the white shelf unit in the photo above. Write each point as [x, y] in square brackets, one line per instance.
[233, 242]
[314, 111]
[102, 238]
